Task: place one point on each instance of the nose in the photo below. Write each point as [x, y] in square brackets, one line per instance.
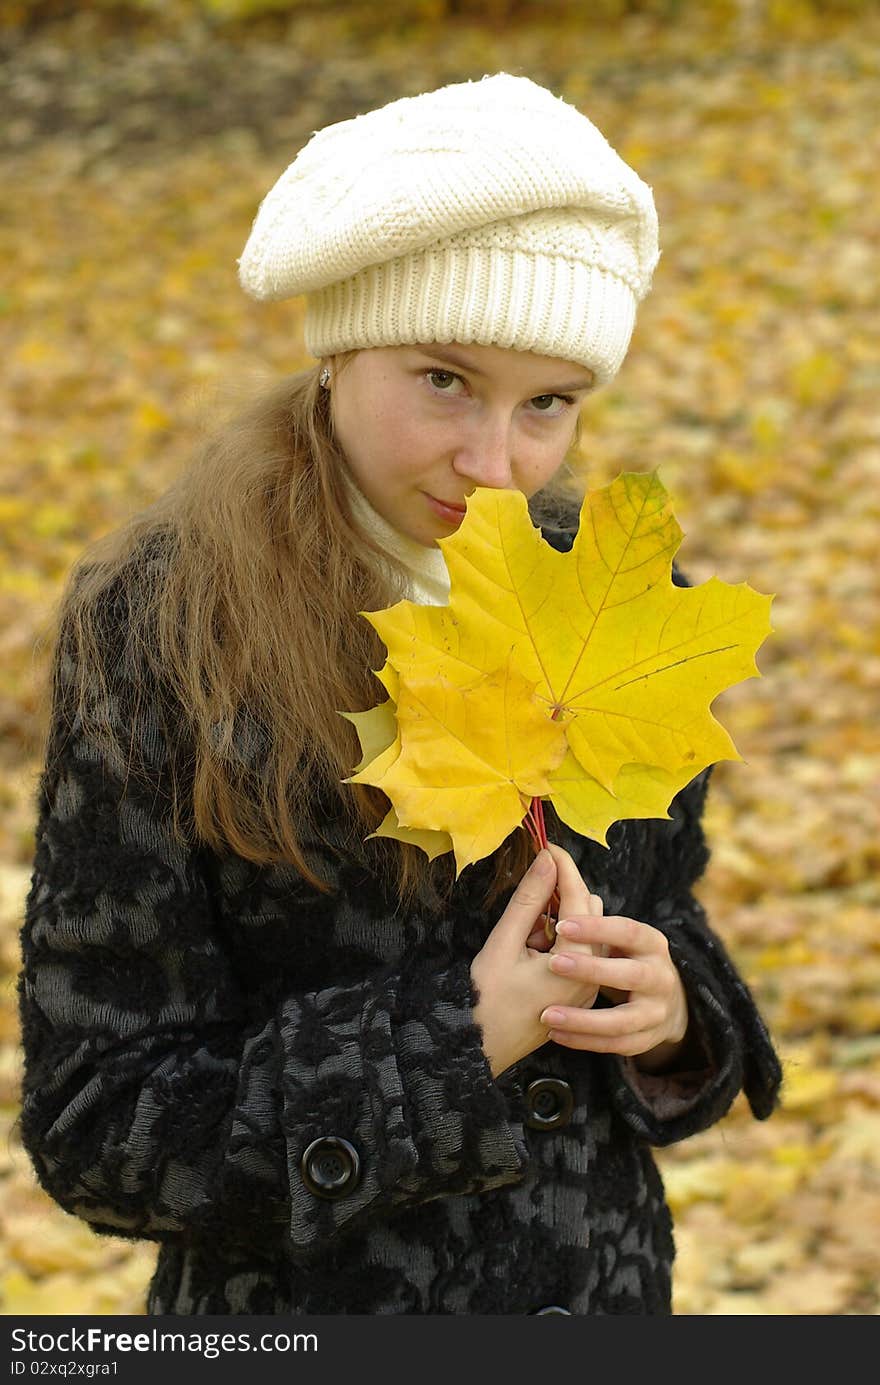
[485, 454]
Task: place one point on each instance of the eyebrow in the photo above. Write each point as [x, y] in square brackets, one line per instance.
[450, 357]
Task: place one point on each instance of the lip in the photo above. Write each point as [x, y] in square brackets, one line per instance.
[453, 514]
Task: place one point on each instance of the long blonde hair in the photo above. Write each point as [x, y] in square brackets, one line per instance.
[250, 625]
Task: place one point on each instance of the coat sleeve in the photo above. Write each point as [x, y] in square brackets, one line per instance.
[736, 1050]
[158, 1104]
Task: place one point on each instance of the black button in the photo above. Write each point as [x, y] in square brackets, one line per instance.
[331, 1167]
[550, 1102]
[551, 1308]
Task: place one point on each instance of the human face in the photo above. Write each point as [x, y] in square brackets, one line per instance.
[423, 426]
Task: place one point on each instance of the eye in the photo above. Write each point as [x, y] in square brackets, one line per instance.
[445, 378]
[542, 404]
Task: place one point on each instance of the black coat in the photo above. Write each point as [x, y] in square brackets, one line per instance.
[289, 1091]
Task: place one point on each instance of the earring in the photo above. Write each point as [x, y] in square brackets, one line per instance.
[324, 378]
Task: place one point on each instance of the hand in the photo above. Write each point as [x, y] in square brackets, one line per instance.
[512, 979]
[636, 971]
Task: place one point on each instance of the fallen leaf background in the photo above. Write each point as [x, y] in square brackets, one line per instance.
[138, 155]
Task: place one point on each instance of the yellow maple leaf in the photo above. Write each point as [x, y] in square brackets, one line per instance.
[432, 843]
[377, 731]
[640, 791]
[473, 755]
[380, 746]
[598, 644]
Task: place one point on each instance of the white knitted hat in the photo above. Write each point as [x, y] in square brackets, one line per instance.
[491, 212]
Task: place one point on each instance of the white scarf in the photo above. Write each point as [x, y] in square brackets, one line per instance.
[427, 574]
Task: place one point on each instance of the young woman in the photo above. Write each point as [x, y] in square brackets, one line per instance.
[324, 1074]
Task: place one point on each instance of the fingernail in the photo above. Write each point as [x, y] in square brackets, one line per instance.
[562, 963]
[553, 1017]
[567, 928]
[543, 862]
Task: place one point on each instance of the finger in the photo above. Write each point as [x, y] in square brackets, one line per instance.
[627, 935]
[620, 1021]
[579, 944]
[620, 973]
[573, 945]
[528, 901]
[575, 896]
[629, 1046]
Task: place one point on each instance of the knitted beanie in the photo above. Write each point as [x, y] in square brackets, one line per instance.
[489, 211]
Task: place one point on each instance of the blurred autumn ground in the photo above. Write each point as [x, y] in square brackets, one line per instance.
[137, 151]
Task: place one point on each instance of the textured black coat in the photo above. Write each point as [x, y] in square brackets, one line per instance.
[193, 1024]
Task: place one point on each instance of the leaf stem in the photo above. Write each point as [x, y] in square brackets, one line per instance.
[536, 828]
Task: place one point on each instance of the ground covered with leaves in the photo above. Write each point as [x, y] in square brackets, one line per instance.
[136, 168]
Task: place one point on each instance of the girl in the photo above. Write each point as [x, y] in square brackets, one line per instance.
[323, 1074]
